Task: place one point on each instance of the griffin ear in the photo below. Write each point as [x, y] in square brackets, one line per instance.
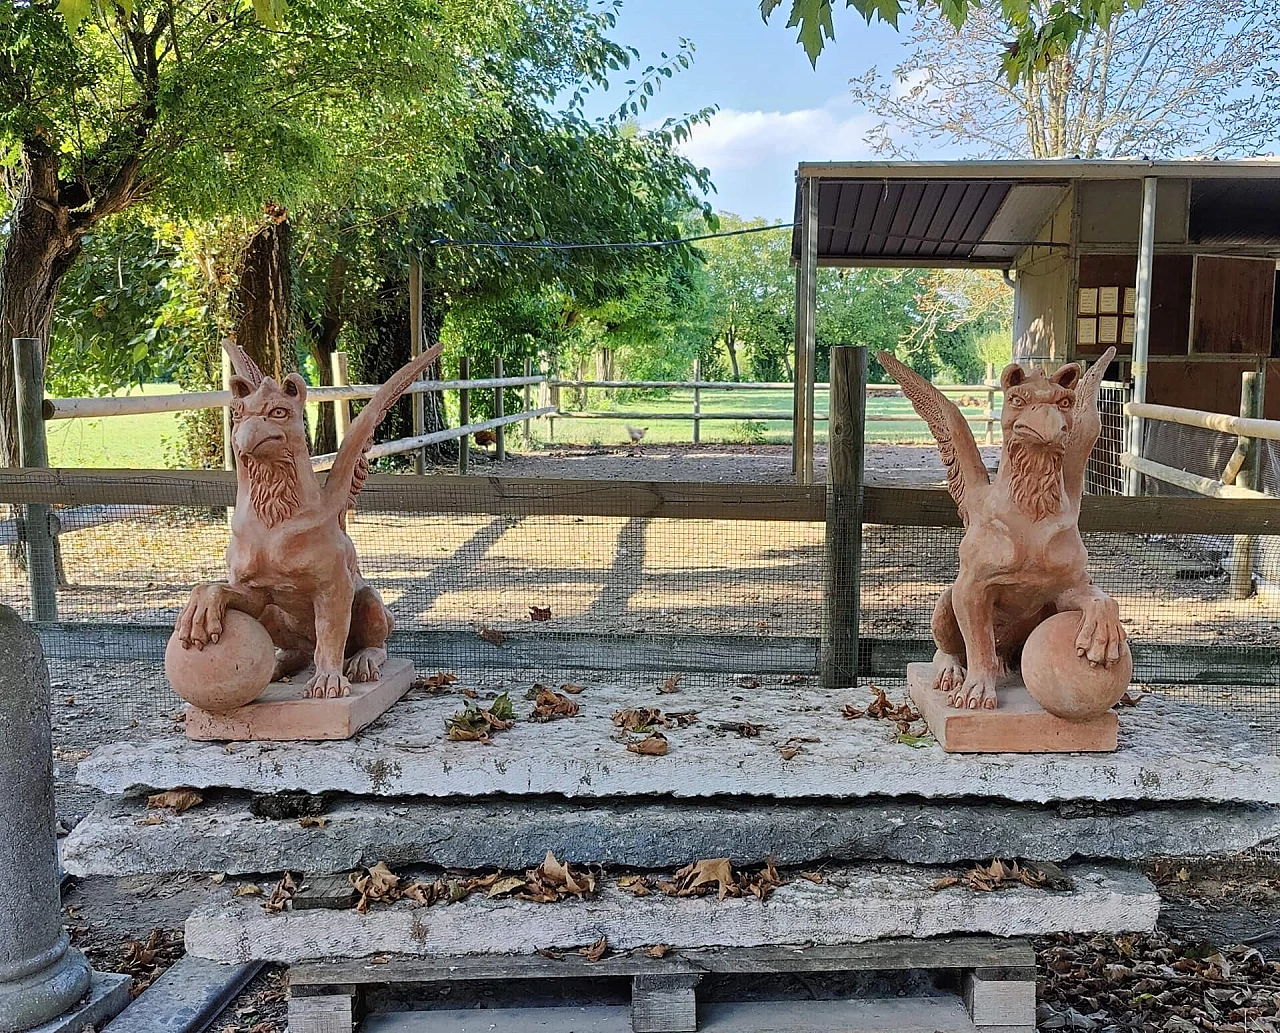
[1066, 376]
[1012, 376]
[295, 387]
[240, 388]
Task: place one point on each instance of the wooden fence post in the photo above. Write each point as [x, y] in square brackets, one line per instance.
[33, 451]
[415, 349]
[464, 415]
[991, 403]
[1243, 547]
[697, 401]
[528, 404]
[845, 444]
[499, 410]
[342, 407]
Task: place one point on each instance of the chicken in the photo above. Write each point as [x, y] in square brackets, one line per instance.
[485, 438]
[635, 433]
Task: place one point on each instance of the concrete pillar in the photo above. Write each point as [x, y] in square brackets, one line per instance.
[41, 976]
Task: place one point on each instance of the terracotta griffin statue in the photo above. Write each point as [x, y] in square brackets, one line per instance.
[1021, 558]
[291, 564]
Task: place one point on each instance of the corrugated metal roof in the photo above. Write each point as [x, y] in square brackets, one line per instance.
[985, 213]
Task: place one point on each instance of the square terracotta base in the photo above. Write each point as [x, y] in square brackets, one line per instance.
[283, 713]
[1018, 724]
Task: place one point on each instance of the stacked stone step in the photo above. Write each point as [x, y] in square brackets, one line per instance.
[811, 789]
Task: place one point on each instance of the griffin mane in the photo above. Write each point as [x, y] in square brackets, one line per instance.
[273, 487]
[1036, 479]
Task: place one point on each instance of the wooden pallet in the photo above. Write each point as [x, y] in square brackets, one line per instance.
[999, 978]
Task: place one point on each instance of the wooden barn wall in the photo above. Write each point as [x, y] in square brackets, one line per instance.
[1170, 296]
[1234, 303]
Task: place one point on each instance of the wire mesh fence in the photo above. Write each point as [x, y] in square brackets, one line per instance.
[1104, 475]
[636, 597]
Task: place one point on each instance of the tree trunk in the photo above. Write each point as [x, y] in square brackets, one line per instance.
[731, 347]
[263, 295]
[39, 250]
[322, 337]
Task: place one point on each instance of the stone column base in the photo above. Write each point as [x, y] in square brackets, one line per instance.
[34, 999]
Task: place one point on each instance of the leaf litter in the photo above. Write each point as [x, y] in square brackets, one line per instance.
[903, 715]
[1000, 874]
[549, 704]
[551, 881]
[476, 724]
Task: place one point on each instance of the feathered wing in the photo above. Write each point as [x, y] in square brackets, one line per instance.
[966, 473]
[1086, 425]
[351, 464]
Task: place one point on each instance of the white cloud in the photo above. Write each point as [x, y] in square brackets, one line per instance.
[752, 155]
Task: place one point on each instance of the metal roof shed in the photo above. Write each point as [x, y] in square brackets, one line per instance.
[1196, 241]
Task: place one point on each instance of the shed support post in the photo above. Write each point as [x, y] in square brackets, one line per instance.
[805, 332]
[845, 449]
[1243, 546]
[415, 349]
[464, 415]
[33, 451]
[1142, 323]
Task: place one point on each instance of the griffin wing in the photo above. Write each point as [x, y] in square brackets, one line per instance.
[351, 464]
[966, 473]
[1086, 425]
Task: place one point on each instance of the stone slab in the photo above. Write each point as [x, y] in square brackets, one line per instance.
[851, 905]
[1018, 724]
[284, 713]
[893, 1015]
[1169, 750]
[188, 996]
[108, 995]
[222, 835]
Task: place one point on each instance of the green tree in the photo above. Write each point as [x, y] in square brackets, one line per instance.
[1042, 30]
[199, 110]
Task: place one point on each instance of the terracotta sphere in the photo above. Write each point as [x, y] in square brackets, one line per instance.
[225, 674]
[1063, 682]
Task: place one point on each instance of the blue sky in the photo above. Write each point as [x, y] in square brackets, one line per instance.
[775, 110]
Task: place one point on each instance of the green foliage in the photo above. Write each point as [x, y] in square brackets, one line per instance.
[1041, 30]
[124, 317]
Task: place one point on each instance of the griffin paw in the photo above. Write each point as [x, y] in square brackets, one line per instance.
[328, 685]
[364, 665]
[977, 693]
[948, 674]
[1102, 636]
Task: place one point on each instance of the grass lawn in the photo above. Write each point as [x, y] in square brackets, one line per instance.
[123, 442]
[733, 431]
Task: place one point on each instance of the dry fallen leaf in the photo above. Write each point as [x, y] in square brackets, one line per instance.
[549, 705]
[638, 719]
[176, 800]
[789, 749]
[492, 635]
[571, 688]
[539, 613]
[439, 681]
[1128, 701]
[547, 952]
[636, 885]
[658, 950]
[851, 713]
[672, 684]
[311, 821]
[281, 895]
[747, 730]
[812, 876]
[378, 884]
[654, 745]
[717, 874]
[597, 950]
[746, 681]
[151, 819]
[247, 890]
[503, 886]
[795, 679]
